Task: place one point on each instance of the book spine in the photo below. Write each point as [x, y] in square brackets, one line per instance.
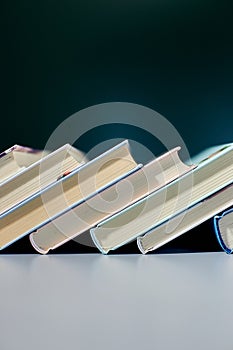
[218, 233]
[35, 245]
[140, 246]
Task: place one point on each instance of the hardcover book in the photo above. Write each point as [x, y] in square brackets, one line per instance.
[59, 196]
[17, 158]
[25, 171]
[112, 199]
[213, 173]
[189, 219]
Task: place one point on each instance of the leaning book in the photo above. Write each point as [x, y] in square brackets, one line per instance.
[86, 214]
[17, 158]
[213, 173]
[190, 218]
[69, 187]
[25, 171]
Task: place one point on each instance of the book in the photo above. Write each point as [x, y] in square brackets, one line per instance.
[212, 174]
[27, 171]
[187, 220]
[223, 227]
[117, 196]
[17, 158]
[59, 196]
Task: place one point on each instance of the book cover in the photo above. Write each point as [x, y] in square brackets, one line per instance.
[223, 227]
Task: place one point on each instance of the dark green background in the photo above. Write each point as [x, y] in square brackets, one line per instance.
[61, 56]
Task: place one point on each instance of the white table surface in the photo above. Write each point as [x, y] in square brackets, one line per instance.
[178, 301]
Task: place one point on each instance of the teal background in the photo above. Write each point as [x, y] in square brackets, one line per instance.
[62, 56]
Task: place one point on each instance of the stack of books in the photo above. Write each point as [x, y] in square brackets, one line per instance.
[56, 196]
